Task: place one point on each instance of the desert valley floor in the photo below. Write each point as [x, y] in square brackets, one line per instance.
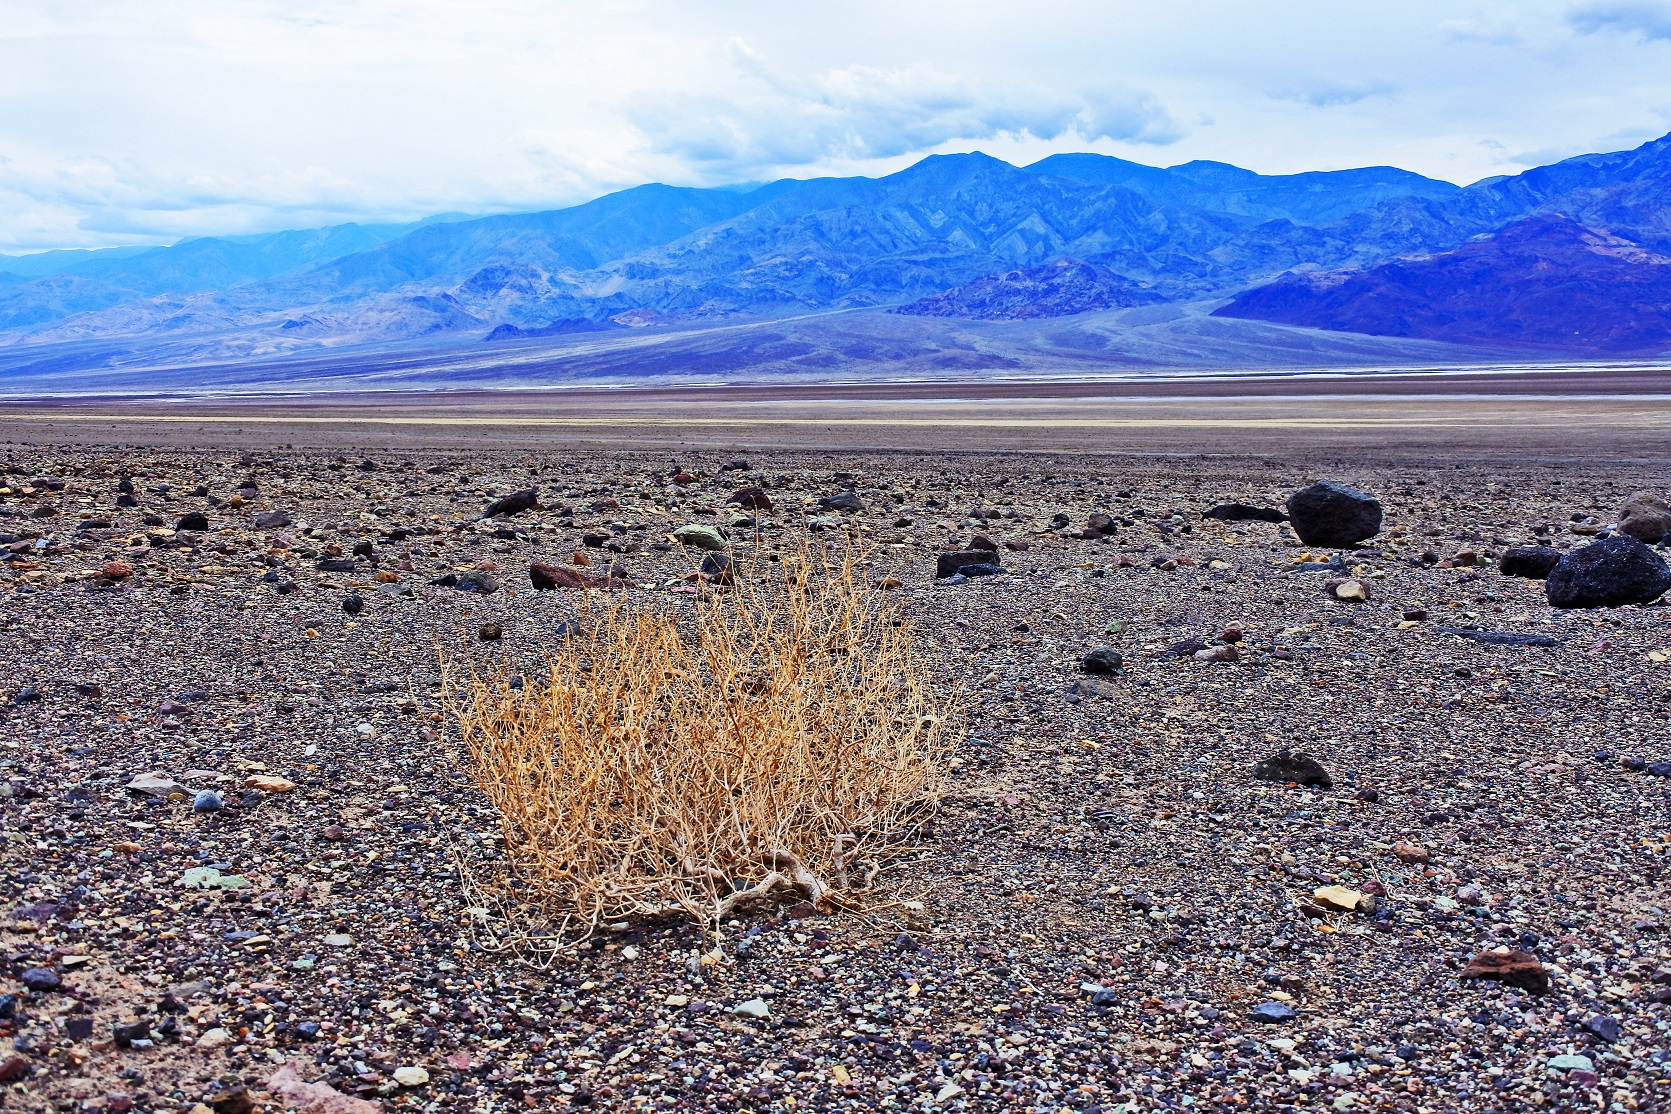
[1110, 912]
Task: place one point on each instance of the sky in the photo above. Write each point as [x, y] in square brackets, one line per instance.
[134, 122]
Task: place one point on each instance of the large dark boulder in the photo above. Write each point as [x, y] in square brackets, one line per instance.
[1612, 572]
[1530, 561]
[1334, 515]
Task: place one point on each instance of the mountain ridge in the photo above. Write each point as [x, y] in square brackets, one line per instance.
[1194, 232]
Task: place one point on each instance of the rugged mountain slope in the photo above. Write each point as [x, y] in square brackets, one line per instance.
[1543, 282]
[1058, 289]
[663, 253]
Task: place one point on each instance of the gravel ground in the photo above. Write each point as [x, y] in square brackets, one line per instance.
[1104, 913]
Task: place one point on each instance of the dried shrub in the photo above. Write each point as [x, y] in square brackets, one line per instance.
[775, 740]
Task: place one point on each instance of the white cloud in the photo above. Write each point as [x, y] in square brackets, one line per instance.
[1645, 18]
[764, 122]
[132, 121]
[1332, 94]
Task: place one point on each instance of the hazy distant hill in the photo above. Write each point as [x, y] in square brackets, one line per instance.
[941, 233]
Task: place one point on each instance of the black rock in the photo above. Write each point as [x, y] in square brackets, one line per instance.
[846, 501]
[354, 604]
[1612, 572]
[476, 582]
[1059, 521]
[516, 502]
[307, 1030]
[1502, 638]
[1107, 996]
[193, 520]
[750, 498]
[1301, 769]
[1104, 659]
[1101, 523]
[1530, 561]
[125, 1035]
[1187, 647]
[1334, 515]
[126, 499]
[718, 568]
[1657, 769]
[363, 548]
[8, 1007]
[336, 564]
[272, 520]
[984, 568]
[1242, 512]
[949, 564]
[78, 1028]
[1605, 1027]
[594, 541]
[1273, 1013]
[41, 979]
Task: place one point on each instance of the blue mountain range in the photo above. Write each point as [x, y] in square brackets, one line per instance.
[954, 236]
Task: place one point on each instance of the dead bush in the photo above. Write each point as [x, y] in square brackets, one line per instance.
[775, 740]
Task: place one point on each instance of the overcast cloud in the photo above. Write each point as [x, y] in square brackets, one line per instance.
[124, 121]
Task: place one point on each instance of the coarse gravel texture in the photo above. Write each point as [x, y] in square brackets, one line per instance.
[1104, 901]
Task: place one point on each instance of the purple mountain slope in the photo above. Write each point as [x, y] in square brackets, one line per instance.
[1059, 289]
[1544, 282]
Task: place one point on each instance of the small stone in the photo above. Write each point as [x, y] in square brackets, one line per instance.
[214, 1038]
[195, 521]
[1104, 659]
[269, 783]
[1530, 561]
[207, 800]
[846, 501]
[698, 536]
[1298, 769]
[338, 940]
[355, 604]
[1352, 591]
[514, 503]
[1342, 898]
[235, 1099]
[1571, 1062]
[40, 979]
[1273, 1013]
[1242, 512]
[754, 1007]
[1607, 1028]
[14, 1068]
[1226, 652]
[717, 568]
[750, 498]
[116, 570]
[155, 785]
[1645, 517]
[208, 878]
[1517, 968]
[490, 632]
[411, 1076]
[1410, 852]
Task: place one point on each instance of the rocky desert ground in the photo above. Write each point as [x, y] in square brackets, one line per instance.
[235, 817]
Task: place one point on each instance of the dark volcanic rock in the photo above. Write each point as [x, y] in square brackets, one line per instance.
[528, 499]
[750, 498]
[1301, 769]
[1530, 561]
[1646, 518]
[846, 501]
[1243, 512]
[1501, 638]
[193, 520]
[1331, 514]
[948, 564]
[1612, 572]
[1104, 659]
[1057, 289]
